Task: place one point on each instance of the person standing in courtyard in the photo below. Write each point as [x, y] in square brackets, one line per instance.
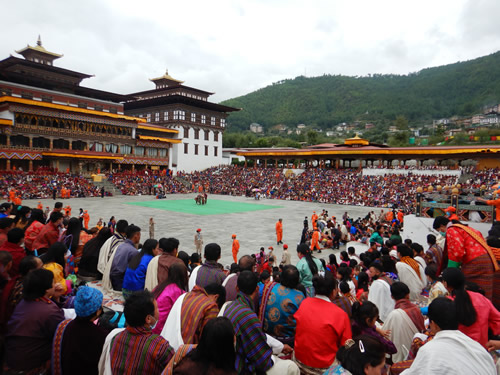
[315, 241]
[279, 231]
[198, 241]
[86, 219]
[151, 228]
[286, 258]
[235, 248]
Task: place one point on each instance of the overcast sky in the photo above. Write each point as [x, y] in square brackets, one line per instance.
[235, 47]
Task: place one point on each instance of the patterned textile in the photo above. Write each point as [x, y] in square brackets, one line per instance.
[56, 347]
[413, 264]
[399, 367]
[308, 370]
[310, 291]
[138, 351]
[177, 358]
[350, 297]
[480, 271]
[196, 311]
[281, 305]
[436, 290]
[434, 255]
[209, 273]
[413, 312]
[266, 292]
[344, 303]
[336, 369]
[389, 280]
[252, 352]
[461, 246]
[477, 236]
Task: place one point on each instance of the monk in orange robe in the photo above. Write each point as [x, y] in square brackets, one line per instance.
[86, 219]
[40, 206]
[279, 231]
[401, 216]
[315, 241]
[235, 248]
[18, 201]
[314, 218]
[12, 195]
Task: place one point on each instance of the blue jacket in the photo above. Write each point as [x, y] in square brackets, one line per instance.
[135, 279]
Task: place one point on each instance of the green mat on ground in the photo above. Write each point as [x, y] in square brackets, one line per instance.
[213, 206]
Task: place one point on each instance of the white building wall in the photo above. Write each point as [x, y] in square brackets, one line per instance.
[7, 115]
[190, 162]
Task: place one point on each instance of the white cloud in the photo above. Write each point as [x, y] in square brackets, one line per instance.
[235, 47]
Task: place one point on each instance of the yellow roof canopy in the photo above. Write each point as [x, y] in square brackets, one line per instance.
[159, 139]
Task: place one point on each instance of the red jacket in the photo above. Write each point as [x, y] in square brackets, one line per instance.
[17, 253]
[30, 234]
[47, 236]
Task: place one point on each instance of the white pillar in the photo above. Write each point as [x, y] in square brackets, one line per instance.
[170, 157]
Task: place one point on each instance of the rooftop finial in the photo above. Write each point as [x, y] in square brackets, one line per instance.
[39, 41]
[166, 72]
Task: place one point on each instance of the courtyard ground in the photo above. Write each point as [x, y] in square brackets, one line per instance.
[178, 216]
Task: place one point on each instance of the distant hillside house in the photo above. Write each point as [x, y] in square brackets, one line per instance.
[301, 126]
[490, 119]
[256, 128]
[476, 119]
[369, 126]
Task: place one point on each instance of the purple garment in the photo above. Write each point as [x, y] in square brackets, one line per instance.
[389, 346]
[209, 273]
[124, 254]
[30, 332]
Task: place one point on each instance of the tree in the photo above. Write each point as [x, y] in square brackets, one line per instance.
[401, 123]
[312, 137]
[399, 139]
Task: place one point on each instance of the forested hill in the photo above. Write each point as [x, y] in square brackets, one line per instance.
[462, 88]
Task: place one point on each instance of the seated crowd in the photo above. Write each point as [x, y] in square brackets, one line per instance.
[396, 308]
[41, 183]
[323, 185]
[147, 183]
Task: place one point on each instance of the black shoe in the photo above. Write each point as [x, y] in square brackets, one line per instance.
[319, 251]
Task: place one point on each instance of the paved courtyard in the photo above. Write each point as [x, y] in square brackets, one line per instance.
[178, 216]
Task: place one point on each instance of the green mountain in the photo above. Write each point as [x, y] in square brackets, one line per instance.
[460, 89]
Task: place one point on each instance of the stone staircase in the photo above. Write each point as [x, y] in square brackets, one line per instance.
[464, 177]
[108, 186]
[183, 181]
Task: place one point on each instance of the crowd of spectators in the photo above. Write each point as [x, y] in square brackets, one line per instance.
[40, 184]
[323, 185]
[185, 316]
[146, 182]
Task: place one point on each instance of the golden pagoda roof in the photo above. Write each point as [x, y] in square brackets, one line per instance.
[356, 140]
[38, 48]
[167, 77]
